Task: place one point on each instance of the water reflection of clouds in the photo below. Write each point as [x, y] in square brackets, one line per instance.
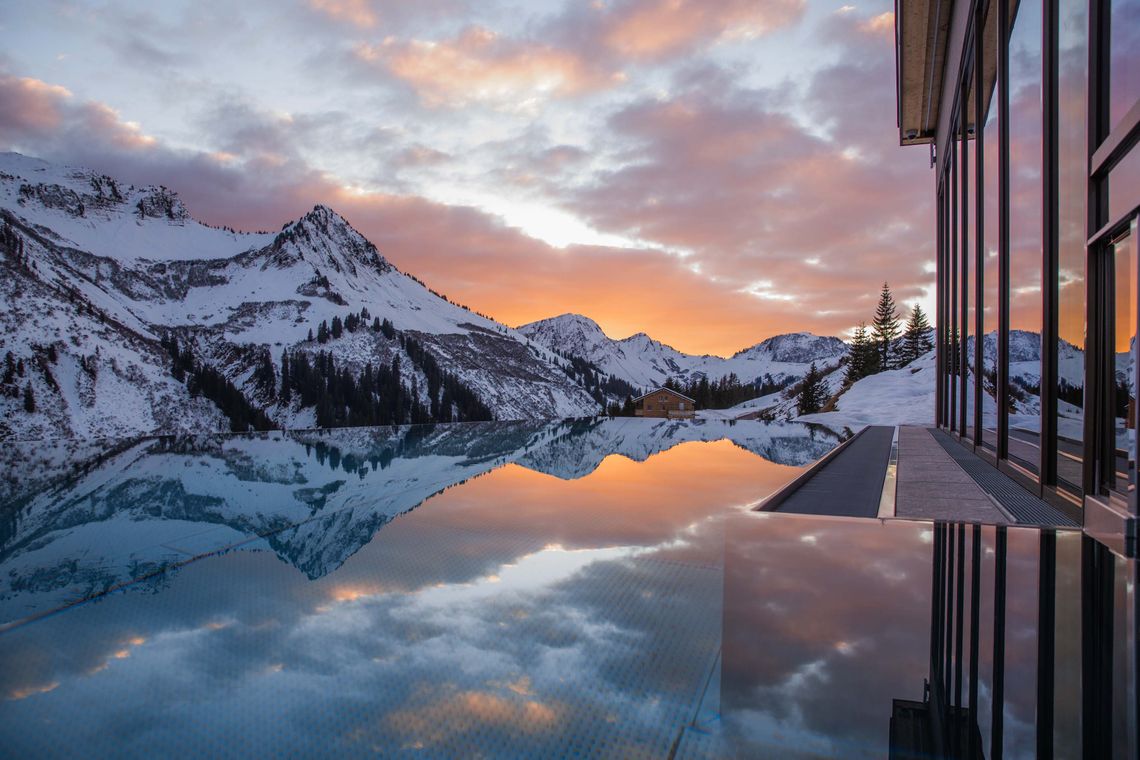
[564, 622]
[518, 612]
[606, 636]
[821, 635]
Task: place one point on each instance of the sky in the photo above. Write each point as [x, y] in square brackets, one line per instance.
[710, 172]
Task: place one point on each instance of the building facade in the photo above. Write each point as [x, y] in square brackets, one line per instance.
[664, 402]
[1031, 113]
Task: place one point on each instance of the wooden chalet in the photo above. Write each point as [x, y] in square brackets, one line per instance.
[664, 402]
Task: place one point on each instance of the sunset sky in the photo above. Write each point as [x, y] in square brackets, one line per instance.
[711, 172]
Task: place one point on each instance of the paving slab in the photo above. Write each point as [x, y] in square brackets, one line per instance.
[932, 485]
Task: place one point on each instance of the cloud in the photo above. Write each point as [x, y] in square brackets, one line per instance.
[807, 194]
[756, 210]
[32, 108]
[652, 29]
[360, 13]
[479, 66]
[27, 105]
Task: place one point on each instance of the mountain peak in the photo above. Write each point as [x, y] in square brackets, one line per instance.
[325, 219]
[798, 347]
[327, 234]
[568, 319]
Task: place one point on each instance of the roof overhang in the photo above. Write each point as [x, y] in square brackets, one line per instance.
[922, 29]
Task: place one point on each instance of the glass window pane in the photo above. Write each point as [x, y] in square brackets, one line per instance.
[1124, 67]
[1124, 186]
[969, 261]
[955, 352]
[1124, 338]
[1072, 139]
[989, 182]
[1025, 200]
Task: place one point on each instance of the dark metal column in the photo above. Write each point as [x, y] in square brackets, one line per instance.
[997, 721]
[1097, 565]
[979, 218]
[955, 330]
[972, 748]
[1046, 635]
[1050, 241]
[964, 258]
[959, 613]
[1098, 128]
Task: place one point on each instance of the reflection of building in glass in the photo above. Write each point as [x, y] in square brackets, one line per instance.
[1085, 674]
[1032, 114]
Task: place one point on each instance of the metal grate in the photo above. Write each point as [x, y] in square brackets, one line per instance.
[1024, 506]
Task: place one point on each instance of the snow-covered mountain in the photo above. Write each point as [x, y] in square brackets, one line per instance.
[95, 273]
[645, 362]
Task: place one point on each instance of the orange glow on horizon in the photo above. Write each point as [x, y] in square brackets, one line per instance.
[624, 502]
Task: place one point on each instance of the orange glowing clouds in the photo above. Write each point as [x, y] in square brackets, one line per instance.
[29, 104]
[24, 692]
[356, 12]
[480, 66]
[883, 24]
[636, 161]
[655, 28]
[455, 712]
[32, 105]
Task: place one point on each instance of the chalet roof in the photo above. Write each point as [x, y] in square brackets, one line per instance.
[666, 390]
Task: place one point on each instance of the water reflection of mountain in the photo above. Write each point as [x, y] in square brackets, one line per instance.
[78, 519]
[579, 447]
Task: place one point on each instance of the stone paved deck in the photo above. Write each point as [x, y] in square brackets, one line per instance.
[933, 486]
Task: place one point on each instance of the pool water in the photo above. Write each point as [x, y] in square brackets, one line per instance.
[584, 588]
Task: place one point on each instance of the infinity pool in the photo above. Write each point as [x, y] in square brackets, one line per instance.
[499, 589]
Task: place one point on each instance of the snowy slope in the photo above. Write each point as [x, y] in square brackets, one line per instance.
[97, 271]
[895, 397]
[646, 363]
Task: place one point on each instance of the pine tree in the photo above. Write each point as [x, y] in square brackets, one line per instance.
[811, 392]
[323, 332]
[286, 379]
[265, 376]
[916, 342]
[337, 327]
[29, 399]
[629, 409]
[862, 360]
[885, 326]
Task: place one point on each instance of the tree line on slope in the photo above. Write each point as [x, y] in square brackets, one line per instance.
[376, 395]
[597, 383]
[339, 395]
[886, 345]
[711, 394]
[203, 380]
